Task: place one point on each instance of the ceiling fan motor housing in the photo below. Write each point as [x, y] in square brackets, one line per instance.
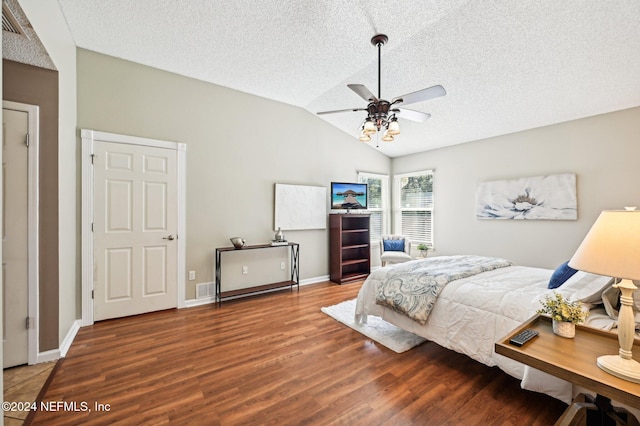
[379, 111]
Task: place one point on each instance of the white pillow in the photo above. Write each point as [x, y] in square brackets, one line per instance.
[585, 287]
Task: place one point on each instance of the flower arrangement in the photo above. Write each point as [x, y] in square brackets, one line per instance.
[561, 309]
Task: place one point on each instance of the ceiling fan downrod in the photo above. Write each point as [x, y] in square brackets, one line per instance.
[379, 40]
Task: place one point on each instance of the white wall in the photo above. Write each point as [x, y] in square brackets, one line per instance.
[238, 147]
[603, 151]
[47, 20]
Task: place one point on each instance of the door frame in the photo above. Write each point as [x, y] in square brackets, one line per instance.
[89, 137]
[33, 220]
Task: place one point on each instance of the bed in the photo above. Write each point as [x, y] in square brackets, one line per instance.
[472, 312]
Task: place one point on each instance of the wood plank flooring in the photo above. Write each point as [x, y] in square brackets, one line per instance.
[275, 360]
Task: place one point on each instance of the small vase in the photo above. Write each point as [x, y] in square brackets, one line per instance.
[564, 329]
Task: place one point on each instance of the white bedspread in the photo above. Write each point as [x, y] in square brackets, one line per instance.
[472, 313]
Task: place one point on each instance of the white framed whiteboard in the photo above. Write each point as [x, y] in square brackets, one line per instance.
[300, 207]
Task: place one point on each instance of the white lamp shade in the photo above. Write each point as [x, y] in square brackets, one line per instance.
[387, 137]
[612, 246]
[364, 137]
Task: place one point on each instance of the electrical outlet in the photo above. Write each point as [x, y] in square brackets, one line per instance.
[282, 265]
[192, 275]
[245, 270]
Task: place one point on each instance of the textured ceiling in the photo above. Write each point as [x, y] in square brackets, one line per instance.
[24, 47]
[506, 65]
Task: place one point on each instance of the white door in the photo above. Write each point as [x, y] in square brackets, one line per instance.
[15, 228]
[135, 226]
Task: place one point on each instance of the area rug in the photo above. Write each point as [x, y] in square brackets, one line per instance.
[376, 328]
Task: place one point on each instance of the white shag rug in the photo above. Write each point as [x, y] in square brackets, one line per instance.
[376, 328]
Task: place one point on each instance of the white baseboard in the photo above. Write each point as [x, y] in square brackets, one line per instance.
[68, 339]
[212, 299]
[191, 303]
[55, 354]
[47, 356]
[315, 280]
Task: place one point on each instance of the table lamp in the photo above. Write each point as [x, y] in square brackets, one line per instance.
[612, 248]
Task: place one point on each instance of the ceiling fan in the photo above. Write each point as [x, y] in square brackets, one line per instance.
[381, 114]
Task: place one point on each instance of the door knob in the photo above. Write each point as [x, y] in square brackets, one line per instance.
[170, 238]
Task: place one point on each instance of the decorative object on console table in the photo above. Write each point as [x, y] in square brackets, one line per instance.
[612, 248]
[350, 247]
[423, 249]
[279, 239]
[238, 242]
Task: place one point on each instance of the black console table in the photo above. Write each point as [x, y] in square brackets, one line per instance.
[295, 272]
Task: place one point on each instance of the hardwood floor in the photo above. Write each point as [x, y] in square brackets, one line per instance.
[275, 359]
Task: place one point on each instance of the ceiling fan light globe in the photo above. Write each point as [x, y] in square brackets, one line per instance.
[369, 127]
[364, 137]
[387, 137]
[394, 128]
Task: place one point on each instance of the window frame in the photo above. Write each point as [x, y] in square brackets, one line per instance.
[398, 209]
[385, 198]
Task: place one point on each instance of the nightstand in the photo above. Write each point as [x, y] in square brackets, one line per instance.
[574, 360]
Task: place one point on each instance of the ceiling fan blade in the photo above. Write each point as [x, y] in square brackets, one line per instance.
[341, 110]
[420, 95]
[413, 115]
[363, 92]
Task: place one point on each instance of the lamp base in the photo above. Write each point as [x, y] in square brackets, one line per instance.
[627, 369]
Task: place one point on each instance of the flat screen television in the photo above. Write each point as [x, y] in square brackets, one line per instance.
[348, 196]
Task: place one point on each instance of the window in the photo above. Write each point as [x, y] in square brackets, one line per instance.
[414, 206]
[378, 205]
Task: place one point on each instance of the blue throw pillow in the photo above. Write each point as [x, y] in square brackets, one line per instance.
[560, 275]
[393, 245]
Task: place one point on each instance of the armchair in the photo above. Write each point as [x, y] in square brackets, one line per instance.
[394, 249]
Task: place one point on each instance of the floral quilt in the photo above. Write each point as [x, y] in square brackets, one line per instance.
[413, 287]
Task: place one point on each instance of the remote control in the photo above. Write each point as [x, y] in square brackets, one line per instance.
[523, 337]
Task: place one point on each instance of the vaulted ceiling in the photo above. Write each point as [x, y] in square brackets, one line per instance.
[506, 65]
